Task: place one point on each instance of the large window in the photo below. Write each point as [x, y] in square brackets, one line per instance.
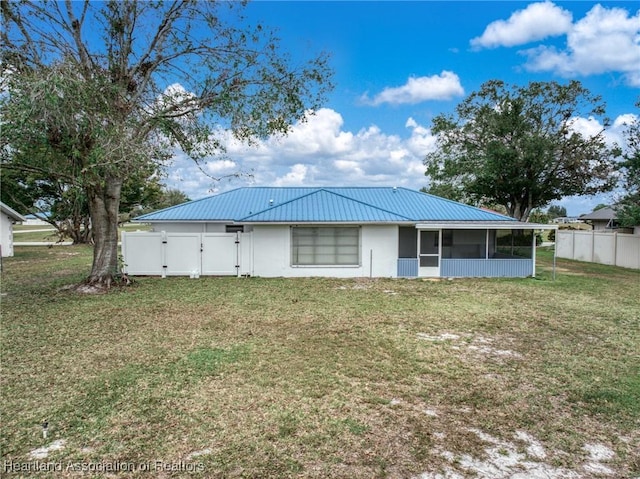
[468, 244]
[514, 244]
[325, 246]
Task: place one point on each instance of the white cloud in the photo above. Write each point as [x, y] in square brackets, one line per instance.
[605, 40]
[177, 97]
[587, 127]
[418, 89]
[613, 135]
[295, 177]
[221, 167]
[421, 140]
[623, 121]
[316, 153]
[536, 22]
[320, 134]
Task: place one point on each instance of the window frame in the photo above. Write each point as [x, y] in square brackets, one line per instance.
[294, 254]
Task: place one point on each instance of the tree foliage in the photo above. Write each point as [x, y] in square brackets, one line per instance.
[521, 147]
[628, 212]
[557, 211]
[99, 91]
[162, 198]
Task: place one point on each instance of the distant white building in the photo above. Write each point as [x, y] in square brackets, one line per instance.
[563, 220]
[8, 216]
[33, 220]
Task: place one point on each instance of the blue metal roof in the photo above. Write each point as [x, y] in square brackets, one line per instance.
[320, 205]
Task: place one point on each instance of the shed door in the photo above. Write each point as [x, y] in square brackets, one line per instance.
[430, 248]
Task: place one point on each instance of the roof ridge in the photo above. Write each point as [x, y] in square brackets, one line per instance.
[279, 204]
[328, 191]
[368, 204]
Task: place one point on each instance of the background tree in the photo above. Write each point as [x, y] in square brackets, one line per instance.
[170, 197]
[628, 212]
[98, 91]
[520, 147]
[163, 198]
[61, 205]
[65, 206]
[557, 211]
[539, 216]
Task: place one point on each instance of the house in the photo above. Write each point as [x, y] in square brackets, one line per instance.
[603, 219]
[8, 216]
[336, 232]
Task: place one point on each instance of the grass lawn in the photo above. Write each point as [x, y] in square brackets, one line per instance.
[227, 377]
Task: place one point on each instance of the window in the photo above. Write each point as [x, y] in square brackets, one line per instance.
[325, 246]
[469, 244]
[407, 242]
[514, 244]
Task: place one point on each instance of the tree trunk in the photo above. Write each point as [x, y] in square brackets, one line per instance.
[104, 203]
[519, 209]
[77, 228]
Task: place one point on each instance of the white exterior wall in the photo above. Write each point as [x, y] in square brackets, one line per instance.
[272, 251]
[6, 235]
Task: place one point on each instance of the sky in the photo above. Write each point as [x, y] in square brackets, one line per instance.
[399, 64]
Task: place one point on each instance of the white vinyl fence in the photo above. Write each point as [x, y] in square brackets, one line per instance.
[187, 254]
[617, 249]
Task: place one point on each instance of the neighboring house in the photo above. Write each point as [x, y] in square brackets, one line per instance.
[604, 219]
[334, 232]
[8, 216]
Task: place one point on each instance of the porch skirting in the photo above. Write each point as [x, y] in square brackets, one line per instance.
[407, 267]
[486, 268]
[472, 268]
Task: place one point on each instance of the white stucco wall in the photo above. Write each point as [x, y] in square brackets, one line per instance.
[272, 251]
[6, 235]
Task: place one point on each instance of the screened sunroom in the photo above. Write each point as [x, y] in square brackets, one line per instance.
[467, 250]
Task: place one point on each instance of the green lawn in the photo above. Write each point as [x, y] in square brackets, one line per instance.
[227, 377]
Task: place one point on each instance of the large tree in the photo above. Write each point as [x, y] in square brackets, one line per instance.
[97, 91]
[521, 147]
